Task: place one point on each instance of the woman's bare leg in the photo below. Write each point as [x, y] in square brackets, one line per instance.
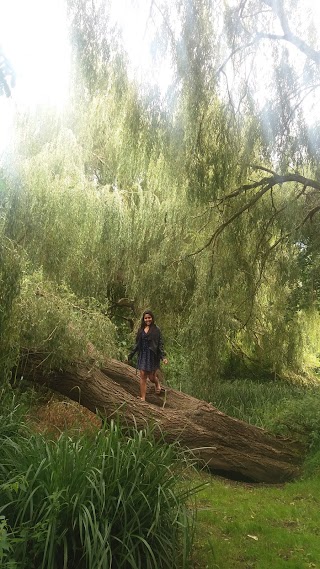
[154, 378]
[143, 384]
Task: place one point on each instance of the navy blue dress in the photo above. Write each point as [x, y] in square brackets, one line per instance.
[147, 360]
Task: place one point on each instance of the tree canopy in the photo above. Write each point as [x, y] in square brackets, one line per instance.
[200, 202]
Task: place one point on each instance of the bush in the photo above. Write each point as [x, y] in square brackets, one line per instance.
[61, 326]
[95, 502]
[301, 417]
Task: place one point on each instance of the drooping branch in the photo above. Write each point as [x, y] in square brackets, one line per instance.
[263, 186]
[225, 224]
[248, 39]
[288, 35]
[233, 53]
[294, 40]
[271, 181]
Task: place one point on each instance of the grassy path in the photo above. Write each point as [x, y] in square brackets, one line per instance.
[241, 526]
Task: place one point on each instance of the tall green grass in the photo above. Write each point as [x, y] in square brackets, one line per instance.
[256, 402]
[12, 412]
[100, 502]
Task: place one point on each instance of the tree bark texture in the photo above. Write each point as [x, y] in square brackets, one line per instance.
[227, 446]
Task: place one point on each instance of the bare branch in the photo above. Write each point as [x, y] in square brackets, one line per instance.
[265, 185]
[301, 45]
[276, 179]
[263, 168]
[310, 214]
[233, 52]
[296, 41]
[238, 213]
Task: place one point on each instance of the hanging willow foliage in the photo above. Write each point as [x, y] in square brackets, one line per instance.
[127, 196]
[59, 326]
[10, 277]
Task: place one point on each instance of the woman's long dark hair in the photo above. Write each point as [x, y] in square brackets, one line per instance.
[142, 323]
[152, 329]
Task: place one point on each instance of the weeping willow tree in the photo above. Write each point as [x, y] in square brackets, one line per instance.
[252, 167]
[183, 203]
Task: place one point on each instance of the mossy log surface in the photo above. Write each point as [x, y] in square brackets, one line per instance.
[228, 447]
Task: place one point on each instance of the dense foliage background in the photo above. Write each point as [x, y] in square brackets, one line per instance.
[200, 203]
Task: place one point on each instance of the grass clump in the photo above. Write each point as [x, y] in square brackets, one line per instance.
[255, 402]
[105, 501]
[302, 417]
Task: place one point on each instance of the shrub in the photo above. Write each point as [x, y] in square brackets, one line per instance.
[61, 326]
[301, 417]
[105, 501]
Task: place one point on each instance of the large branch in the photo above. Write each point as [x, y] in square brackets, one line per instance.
[271, 181]
[288, 35]
[263, 186]
[226, 445]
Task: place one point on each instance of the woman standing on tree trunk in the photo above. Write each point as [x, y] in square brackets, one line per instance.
[149, 346]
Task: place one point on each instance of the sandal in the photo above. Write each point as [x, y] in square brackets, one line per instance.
[158, 390]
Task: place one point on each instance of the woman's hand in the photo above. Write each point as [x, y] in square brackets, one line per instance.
[165, 361]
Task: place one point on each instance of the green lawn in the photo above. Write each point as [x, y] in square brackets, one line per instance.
[242, 526]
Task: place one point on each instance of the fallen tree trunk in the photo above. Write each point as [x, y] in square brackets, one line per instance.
[228, 447]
